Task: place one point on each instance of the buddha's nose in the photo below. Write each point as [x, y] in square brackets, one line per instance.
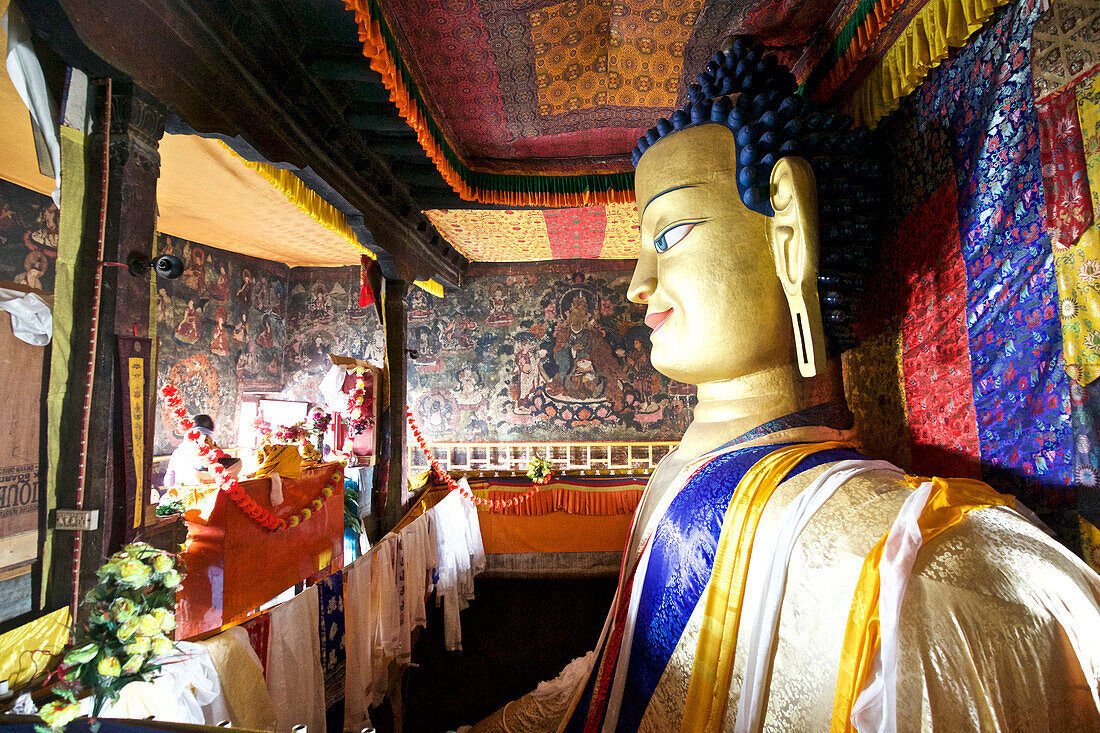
[642, 284]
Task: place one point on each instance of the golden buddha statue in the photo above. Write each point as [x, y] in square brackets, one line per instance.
[775, 578]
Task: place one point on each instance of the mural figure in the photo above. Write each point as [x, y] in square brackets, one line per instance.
[244, 292]
[426, 345]
[458, 334]
[265, 338]
[261, 293]
[438, 413]
[219, 342]
[165, 311]
[220, 289]
[35, 267]
[375, 352]
[319, 303]
[420, 309]
[197, 379]
[639, 372]
[586, 365]
[194, 276]
[527, 372]
[248, 363]
[240, 331]
[469, 395]
[187, 332]
[498, 304]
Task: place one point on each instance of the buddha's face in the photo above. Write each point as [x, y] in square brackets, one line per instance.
[705, 270]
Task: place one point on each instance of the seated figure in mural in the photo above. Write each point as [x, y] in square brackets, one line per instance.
[775, 578]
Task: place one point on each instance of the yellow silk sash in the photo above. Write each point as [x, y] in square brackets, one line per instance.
[282, 458]
[708, 689]
[948, 503]
[25, 651]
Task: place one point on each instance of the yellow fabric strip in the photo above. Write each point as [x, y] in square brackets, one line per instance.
[59, 397]
[948, 503]
[430, 286]
[1076, 270]
[708, 688]
[305, 199]
[1090, 543]
[937, 28]
[25, 651]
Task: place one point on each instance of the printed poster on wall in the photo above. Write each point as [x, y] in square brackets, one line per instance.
[20, 415]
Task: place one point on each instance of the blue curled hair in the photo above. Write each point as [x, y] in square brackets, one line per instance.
[769, 121]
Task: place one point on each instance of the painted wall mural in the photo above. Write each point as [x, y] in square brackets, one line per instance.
[28, 237]
[221, 330]
[539, 357]
[324, 317]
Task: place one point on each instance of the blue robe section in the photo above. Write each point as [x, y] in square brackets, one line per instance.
[680, 565]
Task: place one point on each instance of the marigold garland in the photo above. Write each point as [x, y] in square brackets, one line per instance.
[490, 504]
[227, 482]
[357, 401]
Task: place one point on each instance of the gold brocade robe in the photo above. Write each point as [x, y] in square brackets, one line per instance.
[1000, 626]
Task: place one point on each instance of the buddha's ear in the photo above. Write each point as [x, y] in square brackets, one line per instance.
[793, 235]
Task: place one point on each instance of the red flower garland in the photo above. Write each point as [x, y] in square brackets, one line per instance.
[225, 481]
[490, 504]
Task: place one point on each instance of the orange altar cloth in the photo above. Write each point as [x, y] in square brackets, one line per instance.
[234, 565]
[570, 514]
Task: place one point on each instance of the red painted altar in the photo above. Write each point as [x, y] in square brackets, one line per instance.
[234, 565]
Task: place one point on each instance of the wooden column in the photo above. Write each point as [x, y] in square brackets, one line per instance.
[136, 126]
[397, 367]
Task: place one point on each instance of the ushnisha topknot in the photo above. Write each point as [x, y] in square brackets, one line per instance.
[770, 121]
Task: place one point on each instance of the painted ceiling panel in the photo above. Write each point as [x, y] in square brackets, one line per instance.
[514, 84]
[586, 232]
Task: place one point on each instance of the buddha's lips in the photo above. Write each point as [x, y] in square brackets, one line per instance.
[656, 320]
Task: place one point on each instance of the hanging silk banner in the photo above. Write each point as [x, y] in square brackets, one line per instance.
[133, 356]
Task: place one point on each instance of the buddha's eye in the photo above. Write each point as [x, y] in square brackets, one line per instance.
[672, 236]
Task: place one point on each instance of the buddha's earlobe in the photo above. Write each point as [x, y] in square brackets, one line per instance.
[793, 236]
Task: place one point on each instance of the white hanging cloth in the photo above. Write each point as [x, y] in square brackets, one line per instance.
[360, 628]
[295, 679]
[30, 83]
[31, 318]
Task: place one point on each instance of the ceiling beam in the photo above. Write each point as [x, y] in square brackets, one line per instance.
[227, 72]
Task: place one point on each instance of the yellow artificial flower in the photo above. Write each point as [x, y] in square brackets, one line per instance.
[148, 625]
[123, 608]
[165, 619]
[58, 714]
[127, 629]
[162, 646]
[163, 563]
[133, 664]
[140, 645]
[109, 667]
[171, 579]
[134, 573]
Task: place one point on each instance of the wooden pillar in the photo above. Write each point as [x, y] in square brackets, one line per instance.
[136, 126]
[396, 387]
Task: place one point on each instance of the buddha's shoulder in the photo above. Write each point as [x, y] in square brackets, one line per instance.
[1002, 555]
[996, 549]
